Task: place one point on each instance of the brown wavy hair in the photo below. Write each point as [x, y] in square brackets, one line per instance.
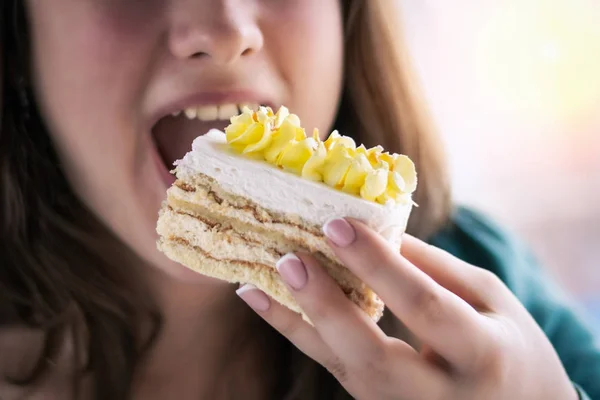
[58, 273]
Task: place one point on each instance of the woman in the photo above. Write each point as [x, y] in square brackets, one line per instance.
[90, 309]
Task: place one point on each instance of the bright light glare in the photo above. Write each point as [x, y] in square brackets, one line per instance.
[543, 57]
[550, 51]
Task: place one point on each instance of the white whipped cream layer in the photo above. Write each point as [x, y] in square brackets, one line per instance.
[284, 192]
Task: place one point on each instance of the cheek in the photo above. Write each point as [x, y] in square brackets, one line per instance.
[90, 69]
[311, 55]
[87, 70]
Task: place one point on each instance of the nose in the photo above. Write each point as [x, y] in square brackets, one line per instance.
[222, 30]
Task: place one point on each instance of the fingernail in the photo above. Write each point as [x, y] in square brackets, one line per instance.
[254, 297]
[340, 232]
[292, 271]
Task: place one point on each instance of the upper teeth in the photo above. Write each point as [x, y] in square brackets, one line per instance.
[221, 112]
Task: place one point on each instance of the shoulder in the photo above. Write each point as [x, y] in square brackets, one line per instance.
[477, 239]
[22, 355]
[20, 348]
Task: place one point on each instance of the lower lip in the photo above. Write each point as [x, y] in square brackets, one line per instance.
[167, 178]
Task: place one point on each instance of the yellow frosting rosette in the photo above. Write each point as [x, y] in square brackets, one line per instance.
[279, 139]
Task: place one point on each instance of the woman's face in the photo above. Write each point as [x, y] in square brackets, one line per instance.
[108, 74]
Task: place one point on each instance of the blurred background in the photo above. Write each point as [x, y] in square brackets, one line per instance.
[514, 86]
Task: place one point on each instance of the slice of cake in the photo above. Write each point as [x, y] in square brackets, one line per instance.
[245, 197]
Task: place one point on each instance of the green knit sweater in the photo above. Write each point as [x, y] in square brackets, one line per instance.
[474, 238]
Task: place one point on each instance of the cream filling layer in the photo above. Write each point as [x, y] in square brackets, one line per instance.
[221, 244]
[199, 203]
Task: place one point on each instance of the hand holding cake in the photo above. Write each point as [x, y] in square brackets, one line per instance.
[262, 189]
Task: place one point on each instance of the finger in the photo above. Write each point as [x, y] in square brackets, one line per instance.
[346, 329]
[437, 316]
[288, 323]
[475, 285]
[405, 368]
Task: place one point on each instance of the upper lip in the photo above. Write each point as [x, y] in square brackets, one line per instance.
[209, 98]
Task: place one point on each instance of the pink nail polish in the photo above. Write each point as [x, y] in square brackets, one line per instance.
[292, 271]
[254, 297]
[340, 232]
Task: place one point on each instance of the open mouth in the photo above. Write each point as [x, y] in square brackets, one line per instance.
[173, 134]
